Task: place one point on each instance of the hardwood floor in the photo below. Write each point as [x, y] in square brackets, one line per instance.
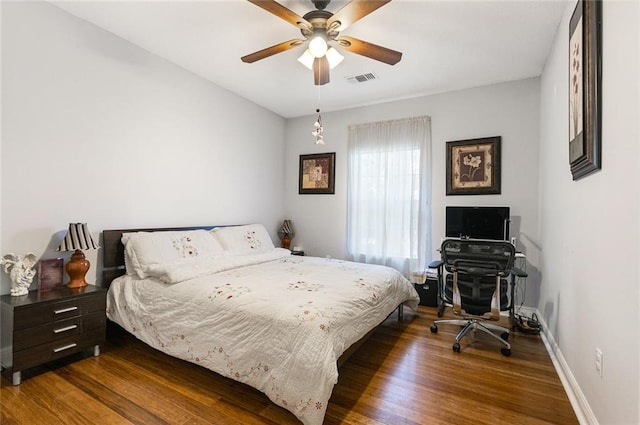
[403, 374]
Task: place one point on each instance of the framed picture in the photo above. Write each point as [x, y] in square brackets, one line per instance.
[585, 85]
[317, 173]
[473, 166]
[49, 274]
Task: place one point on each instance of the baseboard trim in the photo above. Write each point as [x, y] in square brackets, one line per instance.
[574, 392]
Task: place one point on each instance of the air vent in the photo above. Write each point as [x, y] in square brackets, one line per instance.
[362, 78]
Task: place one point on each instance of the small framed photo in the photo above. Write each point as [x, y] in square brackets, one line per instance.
[473, 166]
[317, 173]
[50, 274]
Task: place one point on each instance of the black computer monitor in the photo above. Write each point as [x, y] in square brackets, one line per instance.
[477, 222]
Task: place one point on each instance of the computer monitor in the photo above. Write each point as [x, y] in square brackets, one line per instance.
[477, 222]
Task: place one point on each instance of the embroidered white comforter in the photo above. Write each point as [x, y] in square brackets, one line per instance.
[279, 325]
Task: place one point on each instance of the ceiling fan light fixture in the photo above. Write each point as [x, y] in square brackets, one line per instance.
[306, 59]
[334, 57]
[318, 46]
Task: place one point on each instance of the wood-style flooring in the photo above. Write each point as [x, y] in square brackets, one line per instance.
[402, 375]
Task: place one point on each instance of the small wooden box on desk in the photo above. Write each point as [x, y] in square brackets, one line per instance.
[41, 327]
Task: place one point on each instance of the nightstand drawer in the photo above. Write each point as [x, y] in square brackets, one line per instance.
[55, 331]
[40, 314]
[50, 332]
[56, 349]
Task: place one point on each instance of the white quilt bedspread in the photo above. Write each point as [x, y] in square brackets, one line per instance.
[278, 326]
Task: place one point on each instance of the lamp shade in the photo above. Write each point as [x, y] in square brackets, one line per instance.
[77, 237]
[318, 46]
[333, 57]
[306, 59]
[287, 228]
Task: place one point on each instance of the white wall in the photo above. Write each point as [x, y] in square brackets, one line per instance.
[509, 110]
[95, 129]
[590, 228]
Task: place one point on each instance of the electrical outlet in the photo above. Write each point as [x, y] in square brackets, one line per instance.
[599, 360]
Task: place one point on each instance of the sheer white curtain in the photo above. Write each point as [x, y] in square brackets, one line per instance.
[389, 193]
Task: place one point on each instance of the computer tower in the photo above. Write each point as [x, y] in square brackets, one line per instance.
[428, 291]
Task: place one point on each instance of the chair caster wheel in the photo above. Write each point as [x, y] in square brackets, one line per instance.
[505, 351]
[456, 347]
[505, 336]
[434, 329]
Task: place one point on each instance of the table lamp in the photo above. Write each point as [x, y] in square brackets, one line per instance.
[77, 238]
[286, 233]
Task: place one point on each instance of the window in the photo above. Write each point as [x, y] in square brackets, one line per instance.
[388, 194]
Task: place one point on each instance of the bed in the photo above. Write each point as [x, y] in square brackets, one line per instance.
[225, 298]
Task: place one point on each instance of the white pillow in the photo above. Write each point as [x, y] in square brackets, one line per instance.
[244, 239]
[146, 249]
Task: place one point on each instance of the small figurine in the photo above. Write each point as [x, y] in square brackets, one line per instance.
[20, 271]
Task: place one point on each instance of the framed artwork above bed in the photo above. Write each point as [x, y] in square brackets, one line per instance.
[317, 174]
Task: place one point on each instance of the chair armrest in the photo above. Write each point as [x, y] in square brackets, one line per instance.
[435, 264]
[518, 272]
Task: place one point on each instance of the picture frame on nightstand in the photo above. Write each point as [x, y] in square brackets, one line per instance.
[50, 274]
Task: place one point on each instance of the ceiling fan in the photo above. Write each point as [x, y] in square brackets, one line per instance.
[321, 27]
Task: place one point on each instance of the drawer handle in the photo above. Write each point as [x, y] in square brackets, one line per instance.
[65, 310]
[66, 347]
[68, 328]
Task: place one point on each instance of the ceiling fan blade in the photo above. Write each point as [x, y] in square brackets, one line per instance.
[282, 12]
[269, 51]
[369, 50]
[321, 71]
[352, 12]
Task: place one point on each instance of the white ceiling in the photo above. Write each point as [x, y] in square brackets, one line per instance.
[447, 45]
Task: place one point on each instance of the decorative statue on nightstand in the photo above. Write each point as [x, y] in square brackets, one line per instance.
[20, 271]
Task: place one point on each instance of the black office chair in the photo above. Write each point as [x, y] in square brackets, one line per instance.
[477, 286]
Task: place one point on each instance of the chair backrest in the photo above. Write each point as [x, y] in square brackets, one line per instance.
[475, 257]
[477, 269]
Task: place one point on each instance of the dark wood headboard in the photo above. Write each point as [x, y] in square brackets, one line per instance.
[113, 250]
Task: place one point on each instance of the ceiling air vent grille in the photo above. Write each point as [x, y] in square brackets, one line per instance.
[362, 78]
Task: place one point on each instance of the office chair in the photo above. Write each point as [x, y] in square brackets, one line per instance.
[476, 284]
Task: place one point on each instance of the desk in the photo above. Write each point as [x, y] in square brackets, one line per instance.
[520, 269]
[519, 274]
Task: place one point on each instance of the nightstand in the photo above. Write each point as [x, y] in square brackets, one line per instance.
[40, 327]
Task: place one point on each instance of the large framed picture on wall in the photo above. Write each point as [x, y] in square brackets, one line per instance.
[317, 173]
[473, 166]
[585, 92]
